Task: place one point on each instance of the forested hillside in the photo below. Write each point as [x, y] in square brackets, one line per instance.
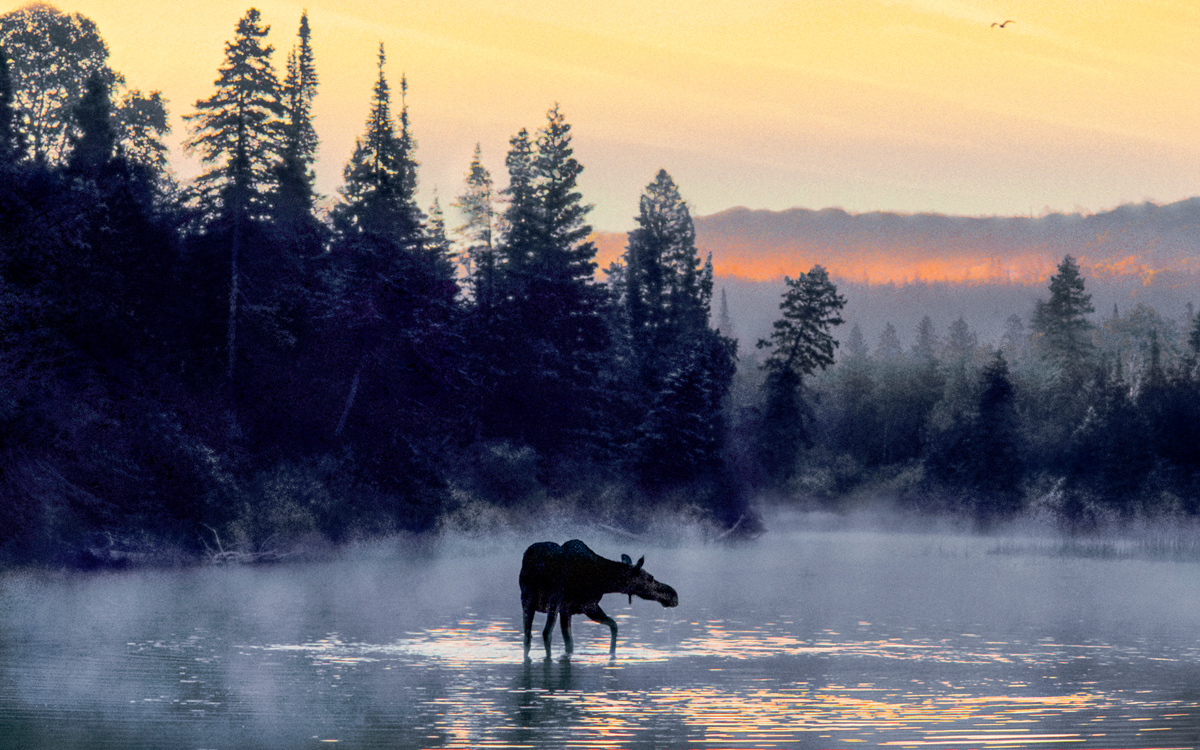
[220, 369]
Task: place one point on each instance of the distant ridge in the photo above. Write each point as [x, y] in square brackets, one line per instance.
[1153, 242]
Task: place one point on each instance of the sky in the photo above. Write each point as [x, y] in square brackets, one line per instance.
[902, 105]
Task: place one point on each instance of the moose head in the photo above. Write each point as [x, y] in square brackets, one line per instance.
[642, 584]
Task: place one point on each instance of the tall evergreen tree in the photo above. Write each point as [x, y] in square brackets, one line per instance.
[521, 221]
[888, 348]
[683, 369]
[391, 293]
[478, 259]
[927, 344]
[548, 330]
[295, 197]
[668, 290]
[725, 325]
[1061, 330]
[960, 342]
[96, 142]
[800, 344]
[236, 132]
[379, 195]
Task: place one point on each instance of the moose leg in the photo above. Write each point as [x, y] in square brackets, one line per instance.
[529, 612]
[566, 631]
[550, 615]
[594, 612]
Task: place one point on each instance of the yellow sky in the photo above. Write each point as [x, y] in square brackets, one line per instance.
[909, 105]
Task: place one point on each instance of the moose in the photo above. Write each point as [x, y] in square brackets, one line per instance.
[570, 579]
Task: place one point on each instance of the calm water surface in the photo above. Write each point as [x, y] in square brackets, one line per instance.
[799, 640]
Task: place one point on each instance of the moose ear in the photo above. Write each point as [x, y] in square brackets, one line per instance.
[626, 559]
[641, 560]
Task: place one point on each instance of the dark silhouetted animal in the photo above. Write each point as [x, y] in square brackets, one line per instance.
[1002, 25]
[570, 579]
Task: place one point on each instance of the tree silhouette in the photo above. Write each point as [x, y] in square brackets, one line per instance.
[12, 138]
[236, 132]
[544, 340]
[295, 197]
[1061, 331]
[800, 344]
[478, 258]
[96, 142]
[379, 193]
[53, 56]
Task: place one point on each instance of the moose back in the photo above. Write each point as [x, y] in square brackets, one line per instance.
[570, 579]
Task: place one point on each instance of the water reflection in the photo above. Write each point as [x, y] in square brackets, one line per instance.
[188, 660]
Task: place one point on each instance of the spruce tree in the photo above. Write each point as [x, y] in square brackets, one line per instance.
[96, 142]
[546, 333]
[927, 344]
[888, 348]
[379, 195]
[521, 221]
[295, 197]
[390, 296]
[236, 132]
[668, 289]
[478, 255]
[800, 344]
[1061, 330]
[683, 367]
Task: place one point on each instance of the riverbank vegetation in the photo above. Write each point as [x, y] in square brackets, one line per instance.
[225, 370]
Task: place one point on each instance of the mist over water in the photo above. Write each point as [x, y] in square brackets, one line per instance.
[806, 637]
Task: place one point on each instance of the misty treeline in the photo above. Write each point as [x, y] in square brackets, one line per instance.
[237, 367]
[1078, 417]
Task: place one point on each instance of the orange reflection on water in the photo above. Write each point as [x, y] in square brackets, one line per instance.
[703, 693]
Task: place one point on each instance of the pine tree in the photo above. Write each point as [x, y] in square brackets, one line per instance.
[567, 255]
[927, 344]
[800, 344]
[390, 294]
[888, 348]
[295, 197]
[856, 344]
[436, 241]
[677, 392]
[236, 132]
[961, 342]
[478, 256]
[96, 142]
[521, 221]
[379, 195]
[668, 289]
[546, 333]
[725, 324]
[1061, 331]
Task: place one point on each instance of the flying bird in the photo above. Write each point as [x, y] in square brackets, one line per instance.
[1002, 25]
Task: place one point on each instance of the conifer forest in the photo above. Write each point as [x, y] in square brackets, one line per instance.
[235, 366]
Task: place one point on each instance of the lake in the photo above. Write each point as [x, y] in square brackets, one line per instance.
[801, 639]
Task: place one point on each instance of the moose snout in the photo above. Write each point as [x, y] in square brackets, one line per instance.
[669, 597]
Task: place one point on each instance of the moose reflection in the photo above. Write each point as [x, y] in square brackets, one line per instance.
[570, 580]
